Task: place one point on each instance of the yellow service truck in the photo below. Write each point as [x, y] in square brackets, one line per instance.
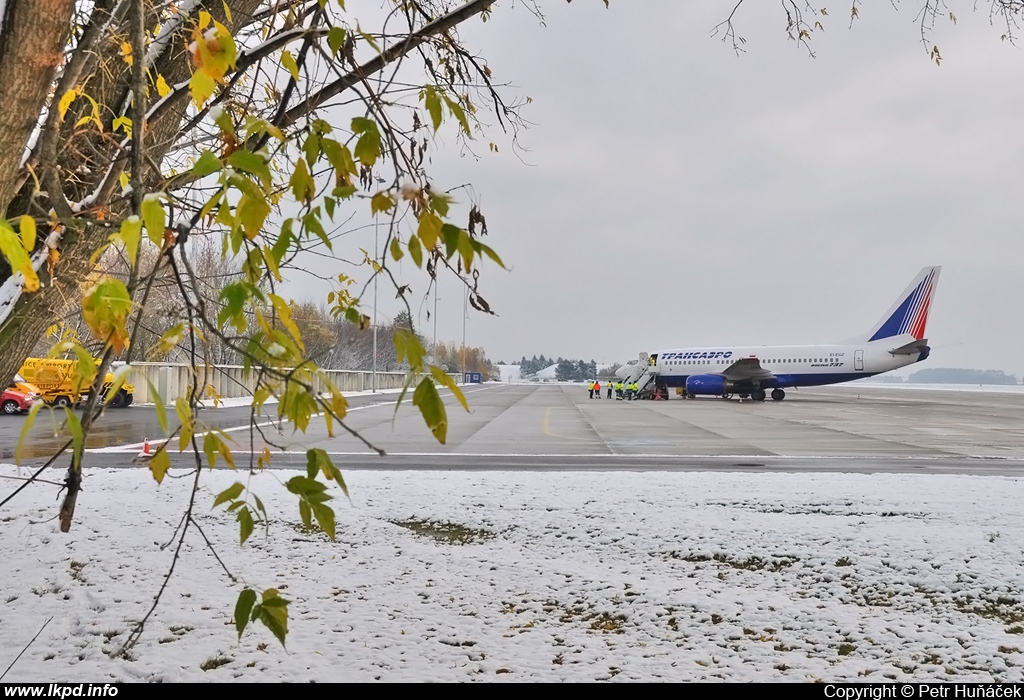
[61, 384]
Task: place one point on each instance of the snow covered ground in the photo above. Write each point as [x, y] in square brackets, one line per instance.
[546, 576]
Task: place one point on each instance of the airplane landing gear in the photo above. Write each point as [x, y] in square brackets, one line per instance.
[757, 395]
[778, 394]
[726, 396]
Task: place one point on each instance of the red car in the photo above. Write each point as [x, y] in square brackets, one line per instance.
[12, 402]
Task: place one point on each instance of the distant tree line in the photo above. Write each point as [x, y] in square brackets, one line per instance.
[945, 375]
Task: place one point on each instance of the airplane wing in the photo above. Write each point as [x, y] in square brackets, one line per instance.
[748, 368]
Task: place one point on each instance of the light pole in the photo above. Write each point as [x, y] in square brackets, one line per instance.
[376, 227]
[465, 315]
[434, 350]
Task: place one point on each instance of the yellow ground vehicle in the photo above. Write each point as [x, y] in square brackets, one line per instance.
[19, 384]
[60, 383]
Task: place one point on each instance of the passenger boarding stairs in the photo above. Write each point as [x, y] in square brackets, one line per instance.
[642, 373]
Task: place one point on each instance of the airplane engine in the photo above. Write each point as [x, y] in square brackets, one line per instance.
[713, 384]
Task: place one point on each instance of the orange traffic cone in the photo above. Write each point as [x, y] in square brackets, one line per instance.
[145, 454]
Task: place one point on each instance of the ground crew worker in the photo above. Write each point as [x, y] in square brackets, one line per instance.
[597, 388]
[610, 385]
[590, 387]
[618, 390]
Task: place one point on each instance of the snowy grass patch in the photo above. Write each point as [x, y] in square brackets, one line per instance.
[448, 576]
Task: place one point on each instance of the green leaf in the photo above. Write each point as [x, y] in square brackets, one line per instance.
[369, 39]
[288, 61]
[120, 375]
[445, 379]
[440, 202]
[273, 613]
[252, 212]
[131, 235]
[252, 163]
[26, 427]
[368, 146]
[234, 296]
[340, 159]
[311, 222]
[319, 461]
[159, 464]
[185, 419]
[466, 249]
[86, 368]
[396, 250]
[158, 403]
[416, 251]
[210, 449]
[283, 242]
[431, 406]
[306, 513]
[486, 250]
[243, 609]
[335, 38]
[382, 201]
[245, 524]
[325, 518]
[302, 184]
[429, 229]
[456, 109]
[229, 494]
[77, 437]
[304, 485]
[207, 164]
[284, 313]
[153, 215]
[432, 101]
[408, 345]
[451, 234]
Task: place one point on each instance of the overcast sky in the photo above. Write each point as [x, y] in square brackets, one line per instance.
[676, 194]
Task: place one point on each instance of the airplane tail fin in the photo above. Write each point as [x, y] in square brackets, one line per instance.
[909, 314]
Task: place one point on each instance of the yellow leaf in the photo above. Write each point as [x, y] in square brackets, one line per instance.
[28, 233]
[204, 19]
[65, 102]
[159, 465]
[201, 86]
[126, 52]
[162, 88]
[131, 234]
[288, 60]
[18, 258]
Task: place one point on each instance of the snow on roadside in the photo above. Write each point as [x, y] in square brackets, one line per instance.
[565, 576]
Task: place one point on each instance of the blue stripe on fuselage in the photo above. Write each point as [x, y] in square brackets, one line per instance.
[785, 380]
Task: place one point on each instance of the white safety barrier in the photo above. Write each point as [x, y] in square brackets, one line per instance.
[232, 381]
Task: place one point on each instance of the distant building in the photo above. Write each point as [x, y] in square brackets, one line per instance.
[509, 373]
[546, 375]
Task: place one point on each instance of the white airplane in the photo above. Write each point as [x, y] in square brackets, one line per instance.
[896, 341]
